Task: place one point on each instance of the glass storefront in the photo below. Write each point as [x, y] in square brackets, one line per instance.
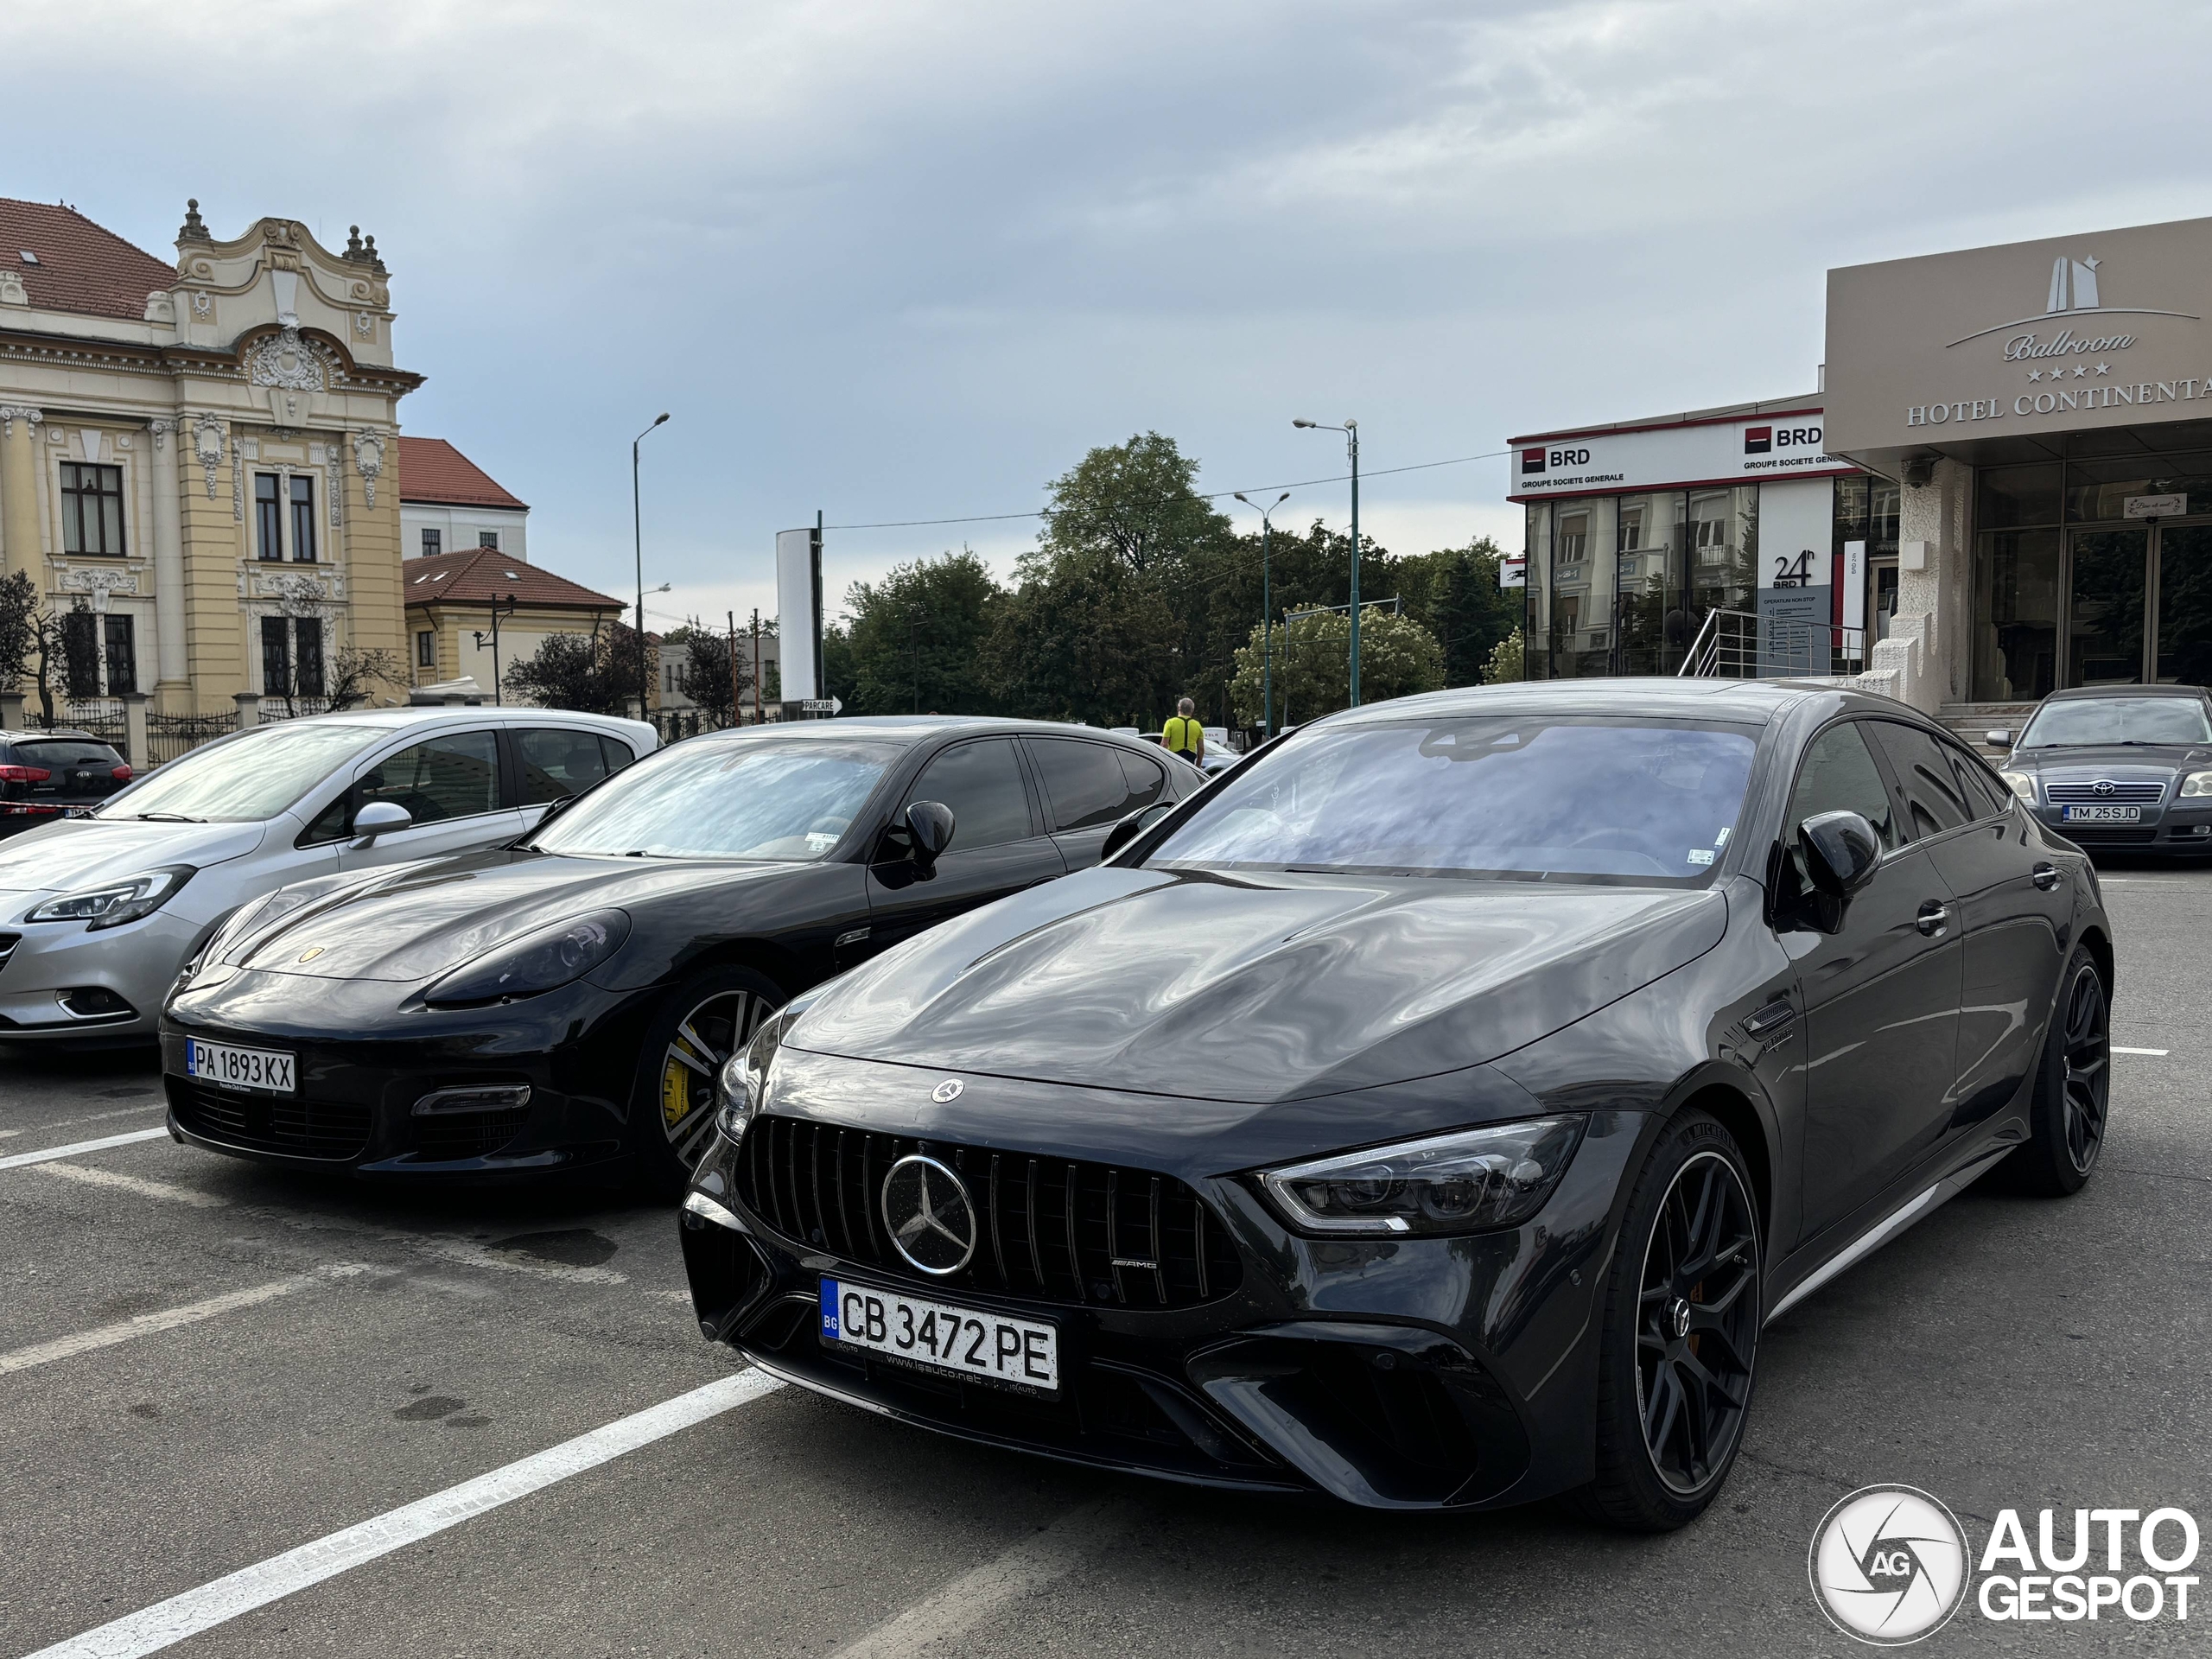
[2068, 591]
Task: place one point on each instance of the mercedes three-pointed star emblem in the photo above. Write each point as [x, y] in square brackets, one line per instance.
[929, 1215]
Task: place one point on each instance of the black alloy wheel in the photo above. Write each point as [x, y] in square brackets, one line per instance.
[2073, 1094]
[701, 1025]
[1683, 1303]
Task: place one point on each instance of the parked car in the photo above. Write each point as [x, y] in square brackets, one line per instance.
[566, 1001]
[2117, 768]
[45, 776]
[1430, 1115]
[99, 914]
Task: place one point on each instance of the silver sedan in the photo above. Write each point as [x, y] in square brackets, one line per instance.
[99, 914]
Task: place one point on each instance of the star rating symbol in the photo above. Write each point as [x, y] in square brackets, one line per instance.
[2101, 367]
[2034, 375]
[2080, 372]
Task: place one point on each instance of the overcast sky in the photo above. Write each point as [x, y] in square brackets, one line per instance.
[909, 261]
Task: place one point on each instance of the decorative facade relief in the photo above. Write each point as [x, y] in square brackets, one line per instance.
[286, 360]
[291, 586]
[99, 584]
[238, 488]
[161, 429]
[368, 461]
[334, 464]
[208, 444]
[10, 413]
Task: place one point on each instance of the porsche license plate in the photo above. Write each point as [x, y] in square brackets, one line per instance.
[941, 1337]
[2104, 815]
[258, 1070]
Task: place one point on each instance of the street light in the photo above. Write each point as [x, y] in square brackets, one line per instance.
[1267, 619]
[1351, 430]
[638, 532]
[499, 608]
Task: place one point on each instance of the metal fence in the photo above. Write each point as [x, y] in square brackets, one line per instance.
[274, 709]
[1740, 646]
[171, 735]
[99, 717]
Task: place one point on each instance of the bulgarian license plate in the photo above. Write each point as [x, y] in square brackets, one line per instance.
[941, 1337]
[2103, 815]
[259, 1071]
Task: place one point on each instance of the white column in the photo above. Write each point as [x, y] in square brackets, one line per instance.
[168, 557]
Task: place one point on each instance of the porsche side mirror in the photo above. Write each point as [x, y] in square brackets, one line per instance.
[1126, 830]
[929, 832]
[1841, 850]
[378, 818]
[2000, 739]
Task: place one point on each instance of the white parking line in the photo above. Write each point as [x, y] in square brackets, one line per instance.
[166, 1623]
[965, 1602]
[2159, 1054]
[48, 1155]
[167, 1191]
[168, 1318]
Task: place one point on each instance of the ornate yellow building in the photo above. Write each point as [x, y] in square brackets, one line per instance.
[204, 455]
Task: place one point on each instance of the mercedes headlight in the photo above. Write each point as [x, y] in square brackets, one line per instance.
[1461, 1183]
[2197, 784]
[743, 1084]
[542, 960]
[2023, 785]
[118, 902]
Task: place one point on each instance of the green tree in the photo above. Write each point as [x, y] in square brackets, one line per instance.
[1508, 661]
[919, 638]
[708, 677]
[1136, 503]
[1453, 592]
[1312, 664]
[1082, 637]
[592, 673]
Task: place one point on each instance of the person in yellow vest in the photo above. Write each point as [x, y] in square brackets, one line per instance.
[1183, 735]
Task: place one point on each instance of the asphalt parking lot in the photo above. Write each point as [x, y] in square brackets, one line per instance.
[205, 1366]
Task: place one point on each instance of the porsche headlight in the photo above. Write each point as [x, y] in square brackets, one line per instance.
[2023, 785]
[1461, 1183]
[743, 1084]
[542, 960]
[244, 928]
[2197, 784]
[118, 902]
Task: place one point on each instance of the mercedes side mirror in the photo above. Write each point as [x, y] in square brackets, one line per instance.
[1841, 850]
[378, 818]
[1126, 830]
[929, 832]
[1998, 740]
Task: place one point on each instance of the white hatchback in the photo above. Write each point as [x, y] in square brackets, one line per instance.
[99, 914]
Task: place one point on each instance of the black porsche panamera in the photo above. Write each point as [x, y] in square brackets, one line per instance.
[563, 1004]
[1433, 1113]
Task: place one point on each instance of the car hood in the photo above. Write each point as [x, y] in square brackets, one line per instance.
[414, 921]
[2114, 760]
[80, 853]
[1256, 987]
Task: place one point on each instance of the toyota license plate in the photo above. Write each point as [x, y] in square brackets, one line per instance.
[2103, 815]
[258, 1071]
[941, 1337]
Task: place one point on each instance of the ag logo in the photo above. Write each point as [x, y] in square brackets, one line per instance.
[1888, 1565]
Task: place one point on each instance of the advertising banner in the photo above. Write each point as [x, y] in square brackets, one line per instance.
[1784, 445]
[1796, 577]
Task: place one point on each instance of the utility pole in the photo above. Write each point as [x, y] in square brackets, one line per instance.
[757, 718]
[736, 700]
[1267, 621]
[637, 535]
[511, 604]
[1351, 430]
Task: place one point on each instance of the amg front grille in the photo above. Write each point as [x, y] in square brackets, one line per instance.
[298, 1128]
[2112, 794]
[1054, 1230]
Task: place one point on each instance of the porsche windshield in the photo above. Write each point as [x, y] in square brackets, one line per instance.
[775, 798]
[1524, 798]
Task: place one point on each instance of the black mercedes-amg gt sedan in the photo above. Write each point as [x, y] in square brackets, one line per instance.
[565, 1002]
[1432, 1112]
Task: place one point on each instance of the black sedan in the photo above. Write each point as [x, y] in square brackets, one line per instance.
[2119, 768]
[1431, 1113]
[566, 1001]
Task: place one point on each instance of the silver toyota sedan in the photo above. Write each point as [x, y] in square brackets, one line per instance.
[97, 914]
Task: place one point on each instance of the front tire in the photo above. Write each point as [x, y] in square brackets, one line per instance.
[1681, 1333]
[698, 1026]
[2067, 1117]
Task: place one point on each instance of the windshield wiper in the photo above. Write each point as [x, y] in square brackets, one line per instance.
[165, 817]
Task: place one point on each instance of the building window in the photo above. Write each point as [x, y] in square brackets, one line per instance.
[306, 656]
[80, 666]
[303, 520]
[268, 518]
[291, 657]
[1574, 537]
[276, 657]
[426, 643]
[433, 543]
[122, 652]
[488, 538]
[92, 508]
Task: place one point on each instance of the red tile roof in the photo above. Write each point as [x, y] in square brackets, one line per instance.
[80, 266]
[433, 470]
[477, 575]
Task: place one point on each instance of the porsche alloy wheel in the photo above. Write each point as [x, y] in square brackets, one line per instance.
[707, 1021]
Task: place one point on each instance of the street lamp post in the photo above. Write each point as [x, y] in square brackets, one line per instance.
[638, 534]
[1267, 620]
[1351, 430]
[499, 608]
